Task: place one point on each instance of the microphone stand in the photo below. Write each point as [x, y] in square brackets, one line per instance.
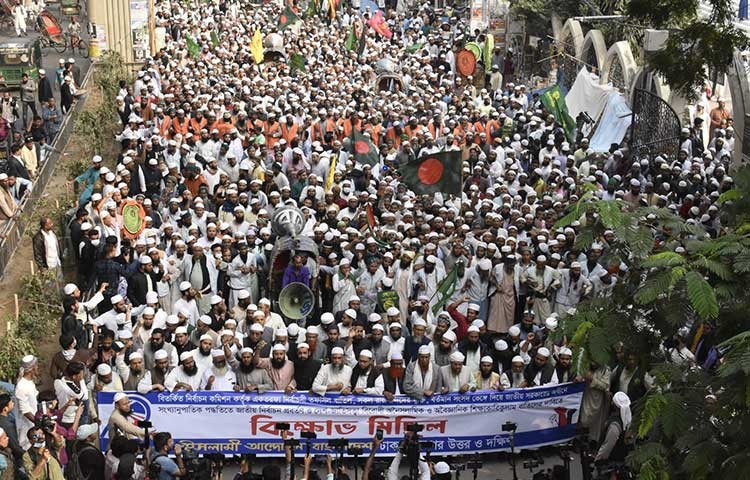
[512, 454]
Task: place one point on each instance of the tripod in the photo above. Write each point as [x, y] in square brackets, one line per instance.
[511, 427]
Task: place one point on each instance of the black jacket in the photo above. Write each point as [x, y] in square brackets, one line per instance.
[138, 286]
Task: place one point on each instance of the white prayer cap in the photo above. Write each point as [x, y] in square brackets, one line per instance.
[69, 289]
[205, 320]
[124, 334]
[160, 354]
[392, 311]
[206, 336]
[181, 330]
[116, 299]
[396, 355]
[292, 329]
[449, 335]
[337, 351]
[442, 468]
[365, 354]
[514, 331]
[551, 323]
[217, 353]
[215, 299]
[501, 345]
[278, 348]
[486, 359]
[351, 313]
[256, 327]
[344, 262]
[249, 350]
[144, 260]
[543, 351]
[184, 286]
[303, 345]
[281, 332]
[378, 327]
[473, 306]
[243, 294]
[431, 259]
[517, 359]
[173, 320]
[419, 323]
[457, 357]
[424, 350]
[149, 311]
[226, 332]
[135, 356]
[575, 265]
[374, 318]
[103, 369]
[327, 318]
[485, 264]
[472, 328]
[152, 297]
[566, 351]
[479, 323]
[85, 431]
[395, 325]
[119, 396]
[185, 355]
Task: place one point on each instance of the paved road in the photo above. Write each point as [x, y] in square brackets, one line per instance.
[50, 57]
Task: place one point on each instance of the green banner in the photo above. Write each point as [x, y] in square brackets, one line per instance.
[554, 102]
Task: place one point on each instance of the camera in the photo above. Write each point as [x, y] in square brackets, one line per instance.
[280, 426]
[46, 423]
[154, 471]
[338, 443]
[291, 442]
[144, 424]
[308, 435]
[509, 427]
[354, 451]
[414, 427]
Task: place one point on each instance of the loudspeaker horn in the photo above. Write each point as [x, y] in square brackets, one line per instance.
[296, 301]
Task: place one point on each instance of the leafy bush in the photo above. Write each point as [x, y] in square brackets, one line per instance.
[13, 348]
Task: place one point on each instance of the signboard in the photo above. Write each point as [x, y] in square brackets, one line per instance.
[478, 15]
[133, 218]
[234, 423]
[139, 29]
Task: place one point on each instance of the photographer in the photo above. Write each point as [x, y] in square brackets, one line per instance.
[39, 461]
[170, 469]
[55, 435]
[409, 448]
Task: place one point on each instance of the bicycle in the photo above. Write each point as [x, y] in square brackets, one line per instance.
[79, 46]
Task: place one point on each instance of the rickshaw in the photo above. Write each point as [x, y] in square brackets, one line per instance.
[52, 33]
[16, 59]
[6, 20]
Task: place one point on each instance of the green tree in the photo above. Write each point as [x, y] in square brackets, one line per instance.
[676, 275]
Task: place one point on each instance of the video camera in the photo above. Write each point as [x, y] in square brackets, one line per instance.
[46, 423]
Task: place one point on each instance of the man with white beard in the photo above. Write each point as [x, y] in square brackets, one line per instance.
[219, 376]
[333, 377]
[514, 378]
[187, 376]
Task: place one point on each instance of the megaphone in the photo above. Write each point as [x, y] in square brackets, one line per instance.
[296, 301]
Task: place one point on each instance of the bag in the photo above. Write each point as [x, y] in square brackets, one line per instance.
[73, 468]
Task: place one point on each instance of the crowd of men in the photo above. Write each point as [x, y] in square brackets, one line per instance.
[214, 144]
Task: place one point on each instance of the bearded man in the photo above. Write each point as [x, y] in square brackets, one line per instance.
[187, 376]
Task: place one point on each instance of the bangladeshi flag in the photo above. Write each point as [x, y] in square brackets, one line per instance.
[287, 18]
[363, 149]
[434, 172]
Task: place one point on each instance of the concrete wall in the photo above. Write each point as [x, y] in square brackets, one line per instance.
[113, 16]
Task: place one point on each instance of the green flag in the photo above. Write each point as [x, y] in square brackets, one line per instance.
[489, 45]
[351, 40]
[312, 8]
[363, 149]
[193, 48]
[554, 102]
[445, 290]
[287, 18]
[388, 299]
[414, 47]
[214, 38]
[434, 172]
[297, 62]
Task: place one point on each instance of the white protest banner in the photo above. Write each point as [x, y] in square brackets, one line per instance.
[235, 423]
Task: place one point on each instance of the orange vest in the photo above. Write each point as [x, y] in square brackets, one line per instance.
[197, 126]
[273, 134]
[165, 124]
[181, 127]
[288, 133]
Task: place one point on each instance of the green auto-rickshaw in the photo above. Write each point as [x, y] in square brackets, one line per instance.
[17, 58]
[70, 7]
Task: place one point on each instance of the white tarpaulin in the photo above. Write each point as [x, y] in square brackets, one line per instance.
[587, 95]
[614, 123]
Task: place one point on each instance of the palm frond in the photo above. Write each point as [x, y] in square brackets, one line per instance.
[701, 295]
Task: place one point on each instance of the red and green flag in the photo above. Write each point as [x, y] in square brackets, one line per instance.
[287, 18]
[371, 227]
[363, 149]
[435, 172]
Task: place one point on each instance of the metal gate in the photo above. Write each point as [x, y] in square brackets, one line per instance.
[655, 128]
